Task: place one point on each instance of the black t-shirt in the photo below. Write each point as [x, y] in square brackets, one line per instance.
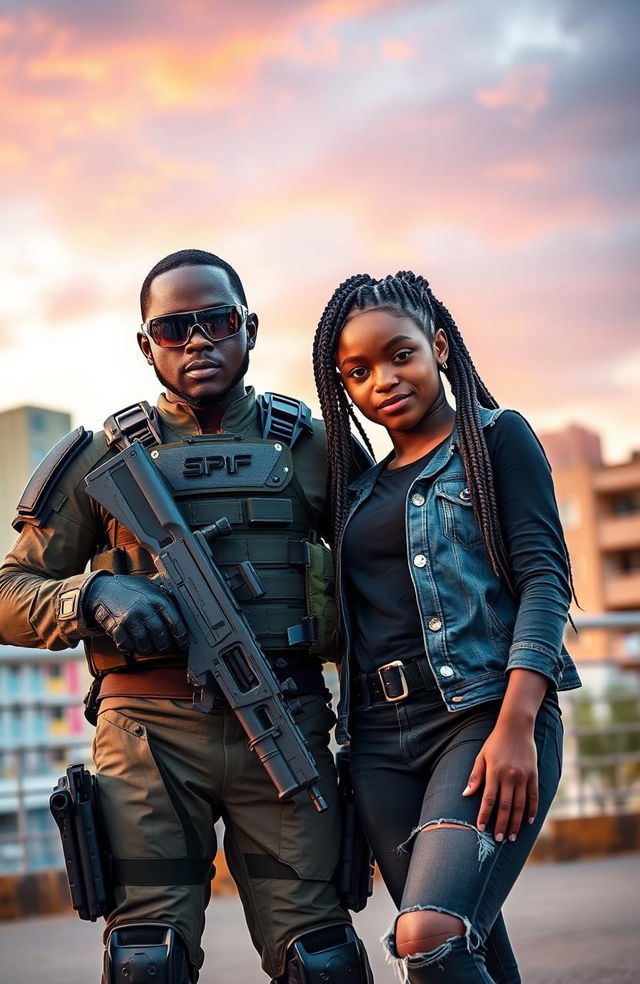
[383, 610]
[382, 600]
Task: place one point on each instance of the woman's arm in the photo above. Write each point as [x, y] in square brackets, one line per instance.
[507, 763]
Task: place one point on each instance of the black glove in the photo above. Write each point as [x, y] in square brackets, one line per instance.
[138, 615]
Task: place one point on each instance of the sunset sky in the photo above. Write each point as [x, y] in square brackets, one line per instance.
[492, 145]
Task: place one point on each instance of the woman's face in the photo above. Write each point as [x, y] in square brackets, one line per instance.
[390, 368]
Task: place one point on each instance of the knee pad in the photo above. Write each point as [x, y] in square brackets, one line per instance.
[330, 954]
[146, 953]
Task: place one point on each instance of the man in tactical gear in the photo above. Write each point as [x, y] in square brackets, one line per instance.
[166, 771]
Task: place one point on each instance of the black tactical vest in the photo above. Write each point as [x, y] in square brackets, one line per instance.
[251, 482]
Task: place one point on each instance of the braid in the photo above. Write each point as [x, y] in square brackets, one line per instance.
[469, 392]
[333, 398]
[409, 294]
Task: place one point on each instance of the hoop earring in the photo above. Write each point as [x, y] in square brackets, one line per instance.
[444, 365]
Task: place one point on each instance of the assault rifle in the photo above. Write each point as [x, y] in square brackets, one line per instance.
[223, 649]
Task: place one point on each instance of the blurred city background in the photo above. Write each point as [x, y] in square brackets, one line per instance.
[596, 813]
[491, 146]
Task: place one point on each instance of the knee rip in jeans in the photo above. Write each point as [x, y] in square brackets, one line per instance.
[486, 844]
[438, 954]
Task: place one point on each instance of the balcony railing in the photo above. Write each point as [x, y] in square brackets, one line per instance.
[619, 532]
[601, 765]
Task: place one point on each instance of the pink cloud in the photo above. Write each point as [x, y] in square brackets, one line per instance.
[396, 49]
[315, 139]
[525, 88]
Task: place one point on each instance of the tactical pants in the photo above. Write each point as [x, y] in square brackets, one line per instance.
[166, 774]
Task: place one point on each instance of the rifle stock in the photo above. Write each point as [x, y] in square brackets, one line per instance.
[223, 649]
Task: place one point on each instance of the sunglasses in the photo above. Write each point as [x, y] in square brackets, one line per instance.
[215, 323]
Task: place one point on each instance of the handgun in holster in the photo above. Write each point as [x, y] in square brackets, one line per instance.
[356, 866]
[75, 807]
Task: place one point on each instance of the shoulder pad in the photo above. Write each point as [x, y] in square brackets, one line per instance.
[39, 497]
[138, 422]
[283, 418]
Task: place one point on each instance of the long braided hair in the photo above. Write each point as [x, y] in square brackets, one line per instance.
[410, 295]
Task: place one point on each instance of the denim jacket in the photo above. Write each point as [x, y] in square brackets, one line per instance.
[468, 615]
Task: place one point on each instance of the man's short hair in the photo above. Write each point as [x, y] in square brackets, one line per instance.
[188, 257]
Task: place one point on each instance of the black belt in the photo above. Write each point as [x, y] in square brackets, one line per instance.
[388, 684]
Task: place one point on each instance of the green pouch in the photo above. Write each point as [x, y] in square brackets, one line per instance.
[321, 605]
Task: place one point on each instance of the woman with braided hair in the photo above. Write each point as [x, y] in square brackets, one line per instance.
[454, 587]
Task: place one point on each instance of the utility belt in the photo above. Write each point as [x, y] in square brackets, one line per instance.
[392, 683]
[141, 679]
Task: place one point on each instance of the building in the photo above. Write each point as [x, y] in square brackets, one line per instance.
[26, 434]
[42, 731]
[600, 511]
[42, 728]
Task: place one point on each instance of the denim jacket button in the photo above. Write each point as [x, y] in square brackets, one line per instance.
[434, 624]
[418, 499]
[446, 671]
[465, 495]
[420, 560]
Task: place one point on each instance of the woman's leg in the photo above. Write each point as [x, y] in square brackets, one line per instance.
[388, 792]
[458, 876]
[390, 779]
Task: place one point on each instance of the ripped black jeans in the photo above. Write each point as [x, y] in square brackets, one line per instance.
[410, 764]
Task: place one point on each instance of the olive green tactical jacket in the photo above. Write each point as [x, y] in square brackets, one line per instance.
[48, 560]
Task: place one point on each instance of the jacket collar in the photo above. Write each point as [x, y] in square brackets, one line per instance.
[439, 460]
[179, 418]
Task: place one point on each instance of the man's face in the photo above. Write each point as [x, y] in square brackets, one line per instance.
[202, 372]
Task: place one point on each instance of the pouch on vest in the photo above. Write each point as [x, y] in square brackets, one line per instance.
[320, 592]
[251, 482]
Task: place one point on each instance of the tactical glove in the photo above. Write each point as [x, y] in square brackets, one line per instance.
[136, 613]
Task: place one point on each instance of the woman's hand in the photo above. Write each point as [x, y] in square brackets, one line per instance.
[507, 763]
[508, 766]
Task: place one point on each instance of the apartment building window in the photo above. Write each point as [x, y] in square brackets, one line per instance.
[34, 680]
[56, 683]
[629, 561]
[569, 510]
[38, 421]
[626, 504]
[43, 850]
[10, 850]
[631, 645]
[622, 562]
[58, 721]
[11, 681]
[56, 760]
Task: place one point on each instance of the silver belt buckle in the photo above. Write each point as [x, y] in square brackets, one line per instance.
[405, 688]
